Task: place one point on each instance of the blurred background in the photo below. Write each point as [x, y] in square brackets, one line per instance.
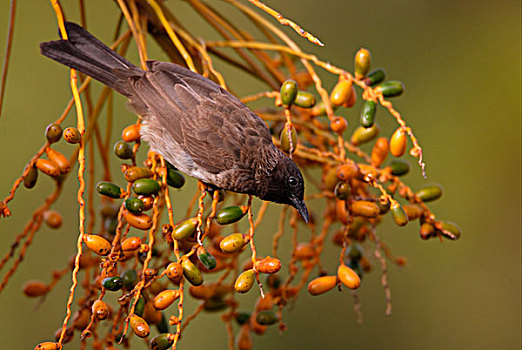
[460, 62]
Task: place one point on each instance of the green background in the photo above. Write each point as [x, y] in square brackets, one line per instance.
[460, 62]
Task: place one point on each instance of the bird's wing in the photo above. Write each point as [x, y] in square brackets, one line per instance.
[213, 127]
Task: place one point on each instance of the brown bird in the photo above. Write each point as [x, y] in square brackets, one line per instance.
[199, 127]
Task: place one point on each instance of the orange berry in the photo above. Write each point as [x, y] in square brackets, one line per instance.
[134, 173]
[244, 339]
[412, 211]
[268, 265]
[131, 133]
[149, 272]
[427, 231]
[97, 244]
[340, 211]
[365, 208]
[380, 151]
[398, 142]
[81, 319]
[100, 310]
[72, 135]
[200, 292]
[150, 314]
[322, 285]
[33, 289]
[47, 346]
[53, 219]
[61, 161]
[131, 243]
[266, 303]
[348, 277]
[139, 326]
[147, 200]
[48, 167]
[140, 221]
[347, 171]
[304, 251]
[164, 299]
[401, 261]
[338, 125]
[174, 270]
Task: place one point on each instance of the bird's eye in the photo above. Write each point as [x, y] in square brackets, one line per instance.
[292, 181]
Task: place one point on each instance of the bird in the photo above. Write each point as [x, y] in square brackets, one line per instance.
[195, 124]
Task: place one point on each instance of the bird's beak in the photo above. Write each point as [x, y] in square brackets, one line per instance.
[301, 208]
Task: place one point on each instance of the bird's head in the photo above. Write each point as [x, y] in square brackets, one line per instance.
[285, 185]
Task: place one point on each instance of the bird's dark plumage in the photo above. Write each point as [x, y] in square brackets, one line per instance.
[199, 127]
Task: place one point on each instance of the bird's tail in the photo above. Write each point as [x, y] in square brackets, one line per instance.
[84, 52]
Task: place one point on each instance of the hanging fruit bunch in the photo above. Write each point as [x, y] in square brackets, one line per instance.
[153, 263]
